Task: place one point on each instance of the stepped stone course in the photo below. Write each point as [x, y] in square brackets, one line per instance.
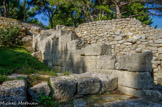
[65, 87]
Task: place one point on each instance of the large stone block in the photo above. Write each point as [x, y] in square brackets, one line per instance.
[67, 36]
[140, 62]
[130, 91]
[39, 89]
[136, 80]
[106, 62]
[13, 91]
[90, 61]
[108, 83]
[64, 88]
[72, 45]
[97, 49]
[88, 85]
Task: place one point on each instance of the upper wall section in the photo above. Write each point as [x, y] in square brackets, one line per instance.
[25, 27]
[102, 31]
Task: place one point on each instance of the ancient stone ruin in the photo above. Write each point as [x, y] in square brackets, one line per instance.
[121, 44]
[103, 56]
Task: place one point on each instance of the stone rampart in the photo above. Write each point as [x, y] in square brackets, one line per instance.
[101, 45]
[126, 36]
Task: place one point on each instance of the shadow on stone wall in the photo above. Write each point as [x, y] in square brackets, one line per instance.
[60, 57]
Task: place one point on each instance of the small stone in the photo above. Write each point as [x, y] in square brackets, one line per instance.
[118, 38]
[139, 50]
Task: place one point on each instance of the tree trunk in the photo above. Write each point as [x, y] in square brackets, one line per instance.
[51, 22]
[5, 8]
[118, 11]
[118, 8]
[24, 11]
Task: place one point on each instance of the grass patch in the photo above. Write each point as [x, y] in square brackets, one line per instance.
[19, 60]
[66, 73]
[35, 79]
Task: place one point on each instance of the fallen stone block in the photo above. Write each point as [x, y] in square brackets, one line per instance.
[136, 80]
[63, 87]
[39, 89]
[88, 85]
[140, 62]
[13, 91]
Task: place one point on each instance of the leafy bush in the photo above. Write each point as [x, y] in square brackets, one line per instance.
[10, 36]
[47, 101]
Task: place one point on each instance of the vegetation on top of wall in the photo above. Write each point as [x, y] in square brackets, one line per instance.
[10, 36]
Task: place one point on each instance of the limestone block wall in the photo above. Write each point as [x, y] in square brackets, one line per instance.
[126, 36]
[98, 46]
[64, 51]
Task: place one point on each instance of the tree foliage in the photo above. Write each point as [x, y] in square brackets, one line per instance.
[74, 12]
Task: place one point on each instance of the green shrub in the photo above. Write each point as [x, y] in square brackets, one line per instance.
[2, 78]
[47, 101]
[10, 36]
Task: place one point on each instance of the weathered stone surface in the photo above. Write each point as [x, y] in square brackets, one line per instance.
[159, 80]
[97, 49]
[13, 91]
[158, 35]
[136, 80]
[130, 91]
[158, 41]
[14, 76]
[63, 87]
[90, 61]
[132, 103]
[154, 95]
[113, 37]
[39, 89]
[106, 62]
[108, 83]
[135, 62]
[88, 85]
[79, 103]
